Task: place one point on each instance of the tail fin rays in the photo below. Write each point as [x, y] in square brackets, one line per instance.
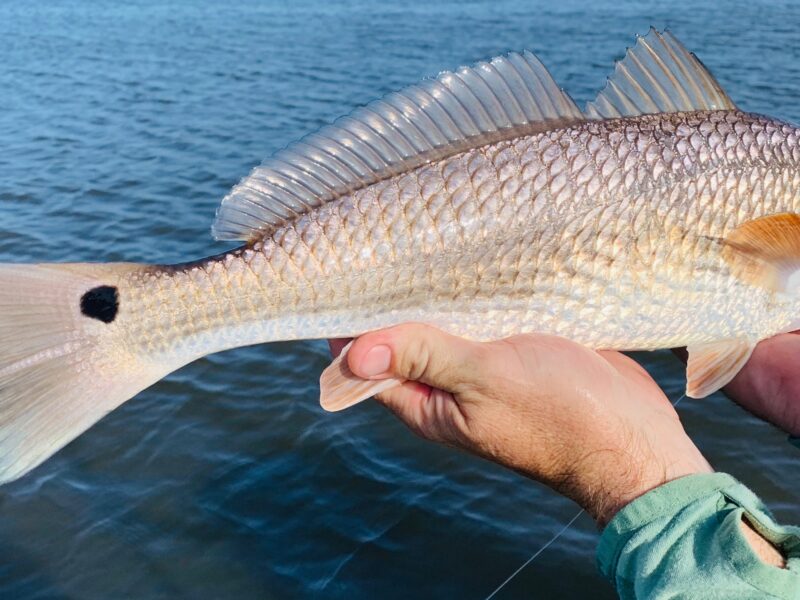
[60, 371]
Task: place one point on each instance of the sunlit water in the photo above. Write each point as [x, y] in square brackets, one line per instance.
[121, 127]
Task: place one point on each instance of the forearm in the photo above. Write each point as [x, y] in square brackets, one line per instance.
[764, 549]
[703, 536]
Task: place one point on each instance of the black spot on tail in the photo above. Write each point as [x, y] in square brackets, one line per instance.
[101, 303]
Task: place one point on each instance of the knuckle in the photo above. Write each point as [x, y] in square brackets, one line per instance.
[415, 364]
[478, 368]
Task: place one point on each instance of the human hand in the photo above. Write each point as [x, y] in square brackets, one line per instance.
[591, 425]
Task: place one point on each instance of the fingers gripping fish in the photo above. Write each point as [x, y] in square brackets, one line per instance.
[484, 202]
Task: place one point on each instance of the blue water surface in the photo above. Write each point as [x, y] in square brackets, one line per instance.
[121, 127]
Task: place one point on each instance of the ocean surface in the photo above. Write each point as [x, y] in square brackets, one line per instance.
[122, 125]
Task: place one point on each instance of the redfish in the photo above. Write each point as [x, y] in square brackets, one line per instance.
[482, 201]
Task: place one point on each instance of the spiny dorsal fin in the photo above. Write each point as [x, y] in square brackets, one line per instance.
[658, 75]
[509, 96]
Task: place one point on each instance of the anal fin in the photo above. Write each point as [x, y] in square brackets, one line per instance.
[340, 388]
[712, 366]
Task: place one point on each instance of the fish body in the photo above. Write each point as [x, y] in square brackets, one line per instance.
[662, 216]
[604, 233]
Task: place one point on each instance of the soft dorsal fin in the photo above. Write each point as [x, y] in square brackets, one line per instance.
[658, 75]
[509, 96]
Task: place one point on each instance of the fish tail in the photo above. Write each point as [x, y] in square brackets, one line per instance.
[64, 362]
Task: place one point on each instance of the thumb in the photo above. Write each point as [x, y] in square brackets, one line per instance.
[417, 352]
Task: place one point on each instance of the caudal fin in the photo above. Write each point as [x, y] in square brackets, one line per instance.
[62, 364]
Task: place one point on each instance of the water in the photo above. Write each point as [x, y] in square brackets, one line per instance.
[121, 127]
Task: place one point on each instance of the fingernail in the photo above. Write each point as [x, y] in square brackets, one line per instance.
[376, 361]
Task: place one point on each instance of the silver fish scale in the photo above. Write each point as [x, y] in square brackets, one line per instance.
[606, 232]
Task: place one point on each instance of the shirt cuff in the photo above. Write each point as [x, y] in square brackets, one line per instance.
[688, 530]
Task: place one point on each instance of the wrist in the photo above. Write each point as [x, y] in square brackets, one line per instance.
[642, 473]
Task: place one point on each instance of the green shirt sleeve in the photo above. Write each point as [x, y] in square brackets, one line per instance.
[684, 540]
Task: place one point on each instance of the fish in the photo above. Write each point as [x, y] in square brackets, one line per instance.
[482, 201]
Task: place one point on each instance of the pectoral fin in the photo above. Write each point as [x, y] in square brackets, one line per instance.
[713, 365]
[766, 251]
[339, 388]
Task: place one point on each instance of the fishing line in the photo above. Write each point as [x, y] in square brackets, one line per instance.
[535, 554]
[560, 532]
